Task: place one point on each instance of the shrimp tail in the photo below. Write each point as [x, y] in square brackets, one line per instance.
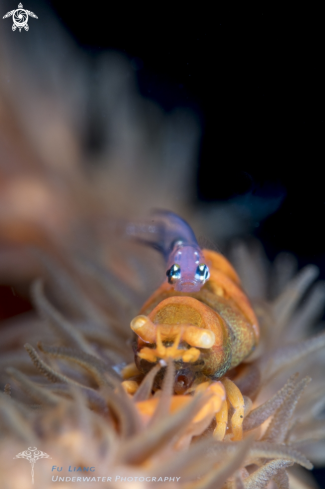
[161, 231]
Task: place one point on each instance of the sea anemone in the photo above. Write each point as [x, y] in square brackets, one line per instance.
[66, 395]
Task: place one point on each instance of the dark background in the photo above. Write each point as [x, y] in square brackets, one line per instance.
[255, 77]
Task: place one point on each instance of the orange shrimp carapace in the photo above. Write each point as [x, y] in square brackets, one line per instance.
[215, 328]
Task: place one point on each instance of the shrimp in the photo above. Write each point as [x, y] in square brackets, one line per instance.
[205, 327]
[174, 238]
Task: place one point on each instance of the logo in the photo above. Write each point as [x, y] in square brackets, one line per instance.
[20, 18]
[32, 455]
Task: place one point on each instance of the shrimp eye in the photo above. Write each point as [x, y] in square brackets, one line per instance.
[174, 273]
[202, 273]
